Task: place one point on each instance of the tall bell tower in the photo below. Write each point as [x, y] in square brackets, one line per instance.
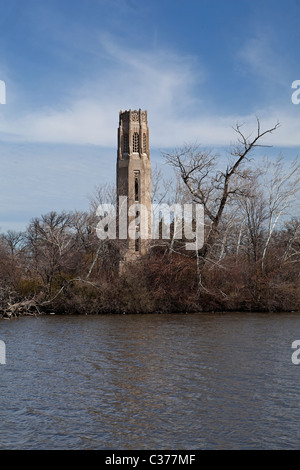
[134, 181]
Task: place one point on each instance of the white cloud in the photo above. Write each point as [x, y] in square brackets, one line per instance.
[158, 81]
[161, 82]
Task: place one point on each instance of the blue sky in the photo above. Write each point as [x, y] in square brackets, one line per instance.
[197, 66]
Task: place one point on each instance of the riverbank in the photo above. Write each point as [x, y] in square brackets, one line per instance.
[162, 282]
[36, 312]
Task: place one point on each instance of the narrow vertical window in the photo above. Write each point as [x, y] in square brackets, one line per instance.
[137, 244]
[144, 143]
[137, 233]
[136, 188]
[136, 142]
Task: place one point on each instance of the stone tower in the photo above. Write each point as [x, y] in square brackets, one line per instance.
[134, 182]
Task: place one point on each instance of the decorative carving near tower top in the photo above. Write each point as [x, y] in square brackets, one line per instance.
[134, 178]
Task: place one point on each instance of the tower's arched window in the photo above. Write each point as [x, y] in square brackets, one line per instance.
[144, 143]
[125, 143]
[136, 142]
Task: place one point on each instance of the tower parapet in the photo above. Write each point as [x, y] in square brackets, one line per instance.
[133, 135]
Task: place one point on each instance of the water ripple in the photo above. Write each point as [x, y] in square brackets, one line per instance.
[150, 382]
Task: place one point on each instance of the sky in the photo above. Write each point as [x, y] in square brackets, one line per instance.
[197, 66]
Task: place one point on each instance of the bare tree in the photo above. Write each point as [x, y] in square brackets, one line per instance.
[291, 236]
[252, 208]
[211, 187]
[50, 241]
[106, 254]
[282, 187]
[103, 194]
[14, 240]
